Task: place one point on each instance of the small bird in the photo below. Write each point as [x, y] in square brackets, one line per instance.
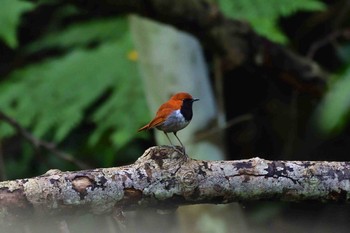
[173, 115]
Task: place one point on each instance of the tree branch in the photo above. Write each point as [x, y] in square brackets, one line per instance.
[163, 178]
[37, 143]
[233, 40]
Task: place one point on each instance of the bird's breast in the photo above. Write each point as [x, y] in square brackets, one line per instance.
[174, 122]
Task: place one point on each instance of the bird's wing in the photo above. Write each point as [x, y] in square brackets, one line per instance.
[154, 123]
[163, 112]
[161, 116]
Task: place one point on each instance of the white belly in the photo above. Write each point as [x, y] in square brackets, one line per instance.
[174, 122]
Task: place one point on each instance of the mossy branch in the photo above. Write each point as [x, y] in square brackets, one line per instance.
[164, 178]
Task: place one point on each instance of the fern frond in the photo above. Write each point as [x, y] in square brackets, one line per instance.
[82, 34]
[52, 96]
[263, 15]
[10, 14]
[334, 112]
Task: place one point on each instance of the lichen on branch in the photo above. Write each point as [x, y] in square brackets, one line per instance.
[164, 178]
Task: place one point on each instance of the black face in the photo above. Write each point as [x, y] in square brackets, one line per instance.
[186, 108]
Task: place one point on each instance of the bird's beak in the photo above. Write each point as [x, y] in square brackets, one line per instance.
[194, 100]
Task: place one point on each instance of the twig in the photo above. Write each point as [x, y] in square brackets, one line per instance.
[327, 40]
[37, 143]
[228, 124]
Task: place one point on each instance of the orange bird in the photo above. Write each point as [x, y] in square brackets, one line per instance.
[173, 115]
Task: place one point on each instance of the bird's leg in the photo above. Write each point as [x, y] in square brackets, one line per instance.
[168, 138]
[180, 143]
[174, 145]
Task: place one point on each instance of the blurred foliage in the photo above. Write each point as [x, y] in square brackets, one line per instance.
[82, 74]
[10, 16]
[98, 30]
[264, 15]
[335, 109]
[64, 87]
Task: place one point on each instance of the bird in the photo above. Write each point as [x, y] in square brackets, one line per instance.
[173, 115]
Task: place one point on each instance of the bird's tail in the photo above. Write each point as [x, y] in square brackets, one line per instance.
[143, 128]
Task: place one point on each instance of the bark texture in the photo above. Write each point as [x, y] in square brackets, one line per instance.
[236, 43]
[164, 178]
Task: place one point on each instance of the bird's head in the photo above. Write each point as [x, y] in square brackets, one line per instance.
[184, 97]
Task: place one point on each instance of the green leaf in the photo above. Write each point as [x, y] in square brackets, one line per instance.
[83, 33]
[264, 15]
[10, 16]
[52, 97]
[124, 111]
[335, 108]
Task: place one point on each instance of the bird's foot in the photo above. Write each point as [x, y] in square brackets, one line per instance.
[178, 149]
[183, 150]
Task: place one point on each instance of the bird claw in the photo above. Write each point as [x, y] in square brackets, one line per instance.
[180, 149]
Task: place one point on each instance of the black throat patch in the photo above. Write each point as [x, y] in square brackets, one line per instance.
[186, 109]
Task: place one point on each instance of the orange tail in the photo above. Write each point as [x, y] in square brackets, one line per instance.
[143, 128]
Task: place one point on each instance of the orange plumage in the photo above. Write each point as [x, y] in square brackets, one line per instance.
[173, 115]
